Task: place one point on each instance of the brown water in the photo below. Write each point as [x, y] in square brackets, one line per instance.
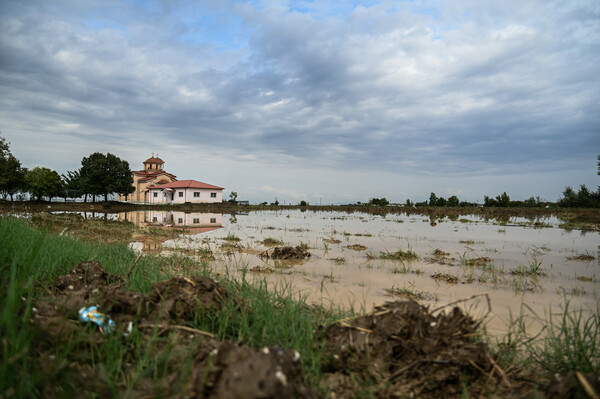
[478, 256]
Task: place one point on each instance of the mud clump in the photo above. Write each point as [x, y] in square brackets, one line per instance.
[286, 253]
[86, 276]
[184, 298]
[228, 370]
[405, 350]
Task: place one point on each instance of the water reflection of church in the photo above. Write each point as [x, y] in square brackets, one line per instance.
[192, 223]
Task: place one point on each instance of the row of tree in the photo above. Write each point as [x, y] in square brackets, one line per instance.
[584, 198]
[99, 175]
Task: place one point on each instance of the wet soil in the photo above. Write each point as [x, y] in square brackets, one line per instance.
[399, 350]
[407, 351]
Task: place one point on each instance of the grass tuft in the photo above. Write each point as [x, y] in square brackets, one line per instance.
[399, 255]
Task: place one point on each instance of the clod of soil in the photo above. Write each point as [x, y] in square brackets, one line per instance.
[226, 370]
[87, 275]
[298, 252]
[184, 298]
[406, 350]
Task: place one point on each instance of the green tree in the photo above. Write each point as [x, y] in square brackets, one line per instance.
[503, 200]
[569, 198]
[104, 174]
[233, 196]
[432, 199]
[379, 202]
[43, 182]
[12, 174]
[453, 201]
[72, 183]
[584, 198]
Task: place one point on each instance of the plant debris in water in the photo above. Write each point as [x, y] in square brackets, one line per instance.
[582, 257]
[271, 242]
[356, 247]
[285, 253]
[399, 255]
[445, 277]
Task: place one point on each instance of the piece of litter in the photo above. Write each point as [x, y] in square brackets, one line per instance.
[91, 314]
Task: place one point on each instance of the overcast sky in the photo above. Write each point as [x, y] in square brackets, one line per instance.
[332, 101]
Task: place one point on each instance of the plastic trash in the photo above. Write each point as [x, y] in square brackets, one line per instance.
[91, 314]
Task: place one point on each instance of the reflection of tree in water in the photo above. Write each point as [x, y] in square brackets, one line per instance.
[233, 219]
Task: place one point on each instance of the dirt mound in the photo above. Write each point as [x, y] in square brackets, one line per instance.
[184, 298]
[86, 276]
[227, 370]
[406, 350]
[284, 253]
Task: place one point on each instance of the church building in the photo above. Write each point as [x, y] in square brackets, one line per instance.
[153, 185]
[152, 174]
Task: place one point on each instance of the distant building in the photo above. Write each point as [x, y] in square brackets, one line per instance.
[179, 192]
[152, 174]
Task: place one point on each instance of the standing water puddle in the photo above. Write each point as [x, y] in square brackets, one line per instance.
[355, 259]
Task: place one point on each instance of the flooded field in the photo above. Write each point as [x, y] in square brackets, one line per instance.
[360, 260]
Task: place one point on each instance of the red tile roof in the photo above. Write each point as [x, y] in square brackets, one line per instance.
[154, 160]
[186, 184]
[152, 174]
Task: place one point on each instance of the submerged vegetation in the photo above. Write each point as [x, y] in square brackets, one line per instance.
[400, 254]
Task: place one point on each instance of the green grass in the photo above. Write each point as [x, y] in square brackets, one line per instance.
[232, 238]
[31, 258]
[569, 340]
[411, 293]
[271, 242]
[399, 255]
[534, 269]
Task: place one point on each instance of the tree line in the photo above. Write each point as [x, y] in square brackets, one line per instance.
[583, 198]
[99, 175]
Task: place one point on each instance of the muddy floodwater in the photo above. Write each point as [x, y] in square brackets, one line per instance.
[355, 260]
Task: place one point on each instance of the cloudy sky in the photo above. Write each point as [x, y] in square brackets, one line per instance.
[334, 101]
